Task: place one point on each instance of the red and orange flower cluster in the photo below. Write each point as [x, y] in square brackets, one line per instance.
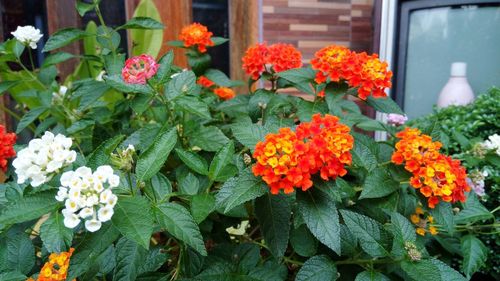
[288, 159]
[139, 69]
[367, 73]
[423, 223]
[279, 57]
[56, 268]
[196, 35]
[224, 93]
[7, 141]
[437, 176]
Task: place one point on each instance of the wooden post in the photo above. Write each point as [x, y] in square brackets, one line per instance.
[174, 14]
[63, 14]
[243, 32]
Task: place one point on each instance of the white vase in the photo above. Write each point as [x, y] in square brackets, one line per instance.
[457, 91]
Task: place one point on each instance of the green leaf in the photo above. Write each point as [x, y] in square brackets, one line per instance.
[188, 184]
[101, 155]
[12, 276]
[365, 152]
[248, 134]
[62, 38]
[83, 7]
[475, 254]
[129, 257]
[386, 105]
[55, 236]
[28, 208]
[473, 211]
[155, 258]
[116, 82]
[147, 41]
[273, 213]
[56, 58]
[89, 92]
[79, 126]
[220, 78]
[133, 219]
[221, 159]
[402, 229]
[30, 117]
[303, 242]
[423, 270]
[369, 233]
[20, 253]
[447, 273]
[208, 138]
[158, 188]
[199, 63]
[371, 276]
[219, 40]
[151, 160]
[317, 268]
[182, 83]
[245, 188]
[180, 224]
[165, 63]
[321, 217]
[443, 214]
[378, 183]
[6, 85]
[142, 23]
[300, 78]
[201, 206]
[193, 161]
[193, 105]
[306, 109]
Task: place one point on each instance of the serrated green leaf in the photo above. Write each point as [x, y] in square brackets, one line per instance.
[220, 78]
[317, 268]
[443, 214]
[129, 257]
[158, 188]
[370, 234]
[116, 82]
[182, 83]
[475, 254]
[12, 276]
[300, 78]
[154, 259]
[83, 7]
[221, 159]
[62, 38]
[386, 105]
[193, 105]
[151, 160]
[273, 213]
[365, 152]
[423, 270]
[165, 63]
[306, 109]
[30, 117]
[303, 242]
[208, 138]
[201, 206]
[180, 224]
[371, 276]
[378, 183]
[6, 85]
[56, 58]
[321, 217]
[142, 23]
[20, 253]
[193, 161]
[248, 134]
[447, 273]
[245, 188]
[55, 236]
[473, 211]
[402, 229]
[89, 92]
[188, 184]
[219, 40]
[101, 155]
[133, 219]
[28, 208]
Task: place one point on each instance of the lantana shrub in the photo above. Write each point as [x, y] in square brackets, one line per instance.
[141, 170]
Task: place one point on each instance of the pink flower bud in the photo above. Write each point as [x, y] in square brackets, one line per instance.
[138, 69]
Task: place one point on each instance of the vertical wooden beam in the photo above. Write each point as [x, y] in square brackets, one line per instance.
[243, 32]
[62, 14]
[174, 14]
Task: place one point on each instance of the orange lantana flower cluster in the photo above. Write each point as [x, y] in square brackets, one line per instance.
[56, 268]
[366, 72]
[7, 141]
[279, 57]
[422, 222]
[196, 35]
[287, 160]
[223, 93]
[437, 176]
[205, 82]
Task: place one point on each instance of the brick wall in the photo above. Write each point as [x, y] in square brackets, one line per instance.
[313, 24]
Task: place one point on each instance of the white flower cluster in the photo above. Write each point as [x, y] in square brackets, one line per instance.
[28, 35]
[88, 196]
[493, 143]
[43, 158]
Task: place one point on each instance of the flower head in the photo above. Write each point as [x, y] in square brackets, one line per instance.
[279, 57]
[224, 93]
[205, 82]
[27, 35]
[255, 59]
[43, 158]
[7, 141]
[435, 175]
[396, 119]
[196, 35]
[287, 160]
[372, 78]
[87, 196]
[493, 143]
[139, 69]
[424, 223]
[334, 62]
[56, 269]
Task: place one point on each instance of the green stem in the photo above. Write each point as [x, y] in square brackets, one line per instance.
[31, 74]
[101, 21]
[15, 115]
[31, 59]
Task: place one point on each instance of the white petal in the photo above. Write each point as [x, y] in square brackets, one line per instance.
[83, 172]
[86, 213]
[114, 181]
[71, 220]
[93, 225]
[105, 213]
